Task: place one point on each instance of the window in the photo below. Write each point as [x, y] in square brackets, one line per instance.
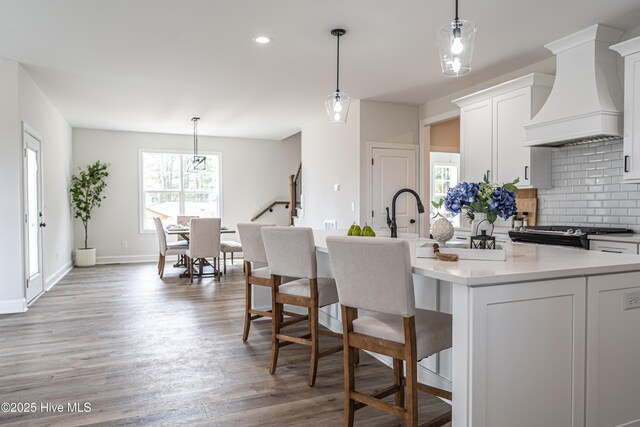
[168, 190]
[445, 174]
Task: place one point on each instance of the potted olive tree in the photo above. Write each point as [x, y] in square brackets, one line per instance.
[87, 192]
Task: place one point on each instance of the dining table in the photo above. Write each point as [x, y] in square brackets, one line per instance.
[184, 232]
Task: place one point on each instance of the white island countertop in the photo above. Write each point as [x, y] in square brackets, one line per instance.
[525, 262]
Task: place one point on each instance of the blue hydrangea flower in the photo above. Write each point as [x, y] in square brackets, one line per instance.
[484, 197]
[503, 202]
[460, 196]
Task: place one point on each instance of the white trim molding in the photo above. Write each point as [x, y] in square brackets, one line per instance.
[57, 276]
[9, 306]
[126, 259]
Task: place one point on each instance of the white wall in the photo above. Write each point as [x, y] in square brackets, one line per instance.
[331, 155]
[41, 115]
[22, 100]
[255, 173]
[383, 122]
[11, 250]
[444, 105]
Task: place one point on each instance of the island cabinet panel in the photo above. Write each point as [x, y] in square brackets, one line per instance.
[528, 346]
[613, 352]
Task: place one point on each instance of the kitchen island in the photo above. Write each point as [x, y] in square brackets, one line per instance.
[541, 339]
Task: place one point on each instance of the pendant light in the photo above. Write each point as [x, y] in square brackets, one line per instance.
[337, 103]
[455, 44]
[197, 163]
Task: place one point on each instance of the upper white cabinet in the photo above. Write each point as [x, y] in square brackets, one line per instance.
[630, 50]
[492, 134]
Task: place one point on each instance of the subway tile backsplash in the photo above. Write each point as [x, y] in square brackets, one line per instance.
[588, 189]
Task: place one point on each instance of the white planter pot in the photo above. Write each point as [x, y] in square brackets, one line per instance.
[85, 257]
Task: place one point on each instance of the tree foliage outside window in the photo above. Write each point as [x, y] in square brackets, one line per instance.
[170, 190]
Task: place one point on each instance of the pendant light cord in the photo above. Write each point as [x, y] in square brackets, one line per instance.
[195, 135]
[338, 65]
[457, 10]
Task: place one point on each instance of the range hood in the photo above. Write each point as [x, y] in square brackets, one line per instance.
[585, 104]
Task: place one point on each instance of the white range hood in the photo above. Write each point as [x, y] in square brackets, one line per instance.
[585, 104]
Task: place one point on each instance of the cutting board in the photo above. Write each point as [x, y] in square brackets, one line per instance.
[527, 201]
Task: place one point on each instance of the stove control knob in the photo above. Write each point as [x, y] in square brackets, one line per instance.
[578, 232]
[570, 231]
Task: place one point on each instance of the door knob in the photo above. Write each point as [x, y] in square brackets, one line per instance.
[412, 221]
[42, 224]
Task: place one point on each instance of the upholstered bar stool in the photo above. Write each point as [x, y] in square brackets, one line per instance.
[173, 248]
[229, 247]
[291, 251]
[204, 243]
[395, 327]
[254, 254]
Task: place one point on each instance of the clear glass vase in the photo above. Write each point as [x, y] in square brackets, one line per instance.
[480, 223]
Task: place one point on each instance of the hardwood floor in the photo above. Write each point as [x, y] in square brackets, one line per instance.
[146, 351]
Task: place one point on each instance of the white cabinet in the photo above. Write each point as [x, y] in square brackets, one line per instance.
[492, 134]
[616, 247]
[476, 131]
[613, 352]
[630, 50]
[528, 344]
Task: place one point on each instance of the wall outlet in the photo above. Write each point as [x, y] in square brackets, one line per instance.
[330, 224]
[124, 244]
[631, 300]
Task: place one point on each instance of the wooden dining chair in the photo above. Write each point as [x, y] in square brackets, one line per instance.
[204, 243]
[394, 327]
[291, 251]
[173, 248]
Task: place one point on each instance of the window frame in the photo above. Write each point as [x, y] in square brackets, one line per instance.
[141, 191]
[443, 159]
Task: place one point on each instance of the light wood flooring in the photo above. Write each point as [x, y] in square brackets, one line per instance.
[146, 351]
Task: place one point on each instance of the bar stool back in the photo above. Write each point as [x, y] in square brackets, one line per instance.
[291, 251]
[253, 249]
[376, 275]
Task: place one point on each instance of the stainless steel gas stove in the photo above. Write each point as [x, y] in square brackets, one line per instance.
[561, 235]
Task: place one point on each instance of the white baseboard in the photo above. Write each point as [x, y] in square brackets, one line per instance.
[57, 276]
[18, 305]
[126, 259]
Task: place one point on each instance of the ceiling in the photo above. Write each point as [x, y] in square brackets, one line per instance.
[150, 65]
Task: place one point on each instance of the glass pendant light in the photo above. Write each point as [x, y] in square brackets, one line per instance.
[337, 103]
[197, 163]
[455, 44]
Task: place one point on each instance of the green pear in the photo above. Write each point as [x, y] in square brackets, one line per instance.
[368, 231]
[350, 232]
[356, 230]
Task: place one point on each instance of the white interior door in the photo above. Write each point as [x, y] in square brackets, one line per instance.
[392, 170]
[33, 215]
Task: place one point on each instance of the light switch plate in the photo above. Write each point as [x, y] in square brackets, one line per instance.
[631, 300]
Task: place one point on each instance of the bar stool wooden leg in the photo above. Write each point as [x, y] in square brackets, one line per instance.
[349, 377]
[313, 326]
[224, 262]
[276, 311]
[190, 268]
[398, 369]
[247, 307]
[412, 372]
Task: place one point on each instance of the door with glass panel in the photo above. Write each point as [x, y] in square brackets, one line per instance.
[34, 221]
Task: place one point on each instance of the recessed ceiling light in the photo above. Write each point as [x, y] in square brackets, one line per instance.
[262, 39]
